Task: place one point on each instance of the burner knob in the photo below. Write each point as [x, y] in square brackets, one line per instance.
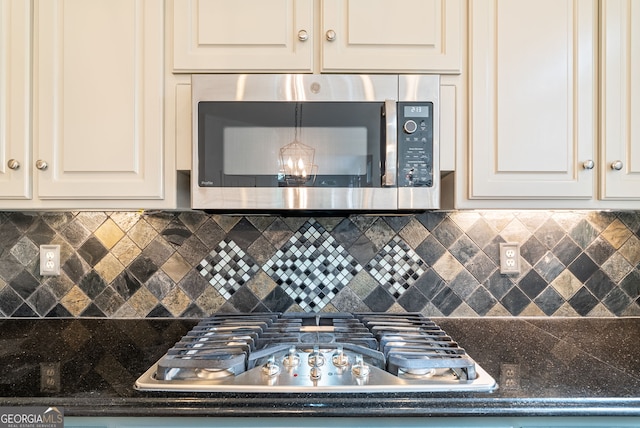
[271, 368]
[340, 359]
[292, 359]
[315, 373]
[316, 359]
[360, 369]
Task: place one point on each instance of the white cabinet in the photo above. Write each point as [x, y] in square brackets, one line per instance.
[314, 36]
[242, 35]
[15, 65]
[96, 119]
[620, 99]
[545, 129]
[532, 109]
[387, 35]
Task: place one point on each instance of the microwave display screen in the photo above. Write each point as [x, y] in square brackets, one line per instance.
[416, 111]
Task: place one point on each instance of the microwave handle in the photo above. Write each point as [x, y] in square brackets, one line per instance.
[391, 144]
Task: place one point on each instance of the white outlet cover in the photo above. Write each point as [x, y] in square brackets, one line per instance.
[49, 260]
[509, 258]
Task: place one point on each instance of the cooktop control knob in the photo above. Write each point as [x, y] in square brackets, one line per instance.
[316, 359]
[410, 126]
[339, 358]
[315, 373]
[292, 359]
[360, 369]
[271, 368]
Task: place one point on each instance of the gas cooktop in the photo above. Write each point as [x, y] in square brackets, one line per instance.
[328, 352]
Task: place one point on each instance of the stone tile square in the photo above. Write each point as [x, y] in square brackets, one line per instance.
[481, 301]
[126, 251]
[600, 284]
[549, 301]
[566, 251]
[10, 301]
[481, 267]
[600, 250]
[92, 284]
[92, 251]
[91, 219]
[515, 301]
[176, 267]
[379, 300]
[109, 233]
[583, 267]
[498, 285]
[549, 233]
[583, 233]
[412, 300]
[583, 301]
[617, 301]
[75, 233]
[109, 268]
[616, 267]
[532, 284]
[430, 250]
[447, 233]
[446, 301]
[616, 234]
[464, 249]
[549, 267]
[464, 284]
[142, 233]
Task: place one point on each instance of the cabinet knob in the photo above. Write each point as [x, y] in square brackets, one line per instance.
[303, 36]
[617, 165]
[588, 164]
[13, 164]
[331, 35]
[41, 165]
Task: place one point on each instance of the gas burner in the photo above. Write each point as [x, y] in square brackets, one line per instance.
[291, 352]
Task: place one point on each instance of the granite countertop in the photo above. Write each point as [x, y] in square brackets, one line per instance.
[567, 366]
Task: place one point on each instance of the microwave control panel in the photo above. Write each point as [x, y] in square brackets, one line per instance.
[415, 144]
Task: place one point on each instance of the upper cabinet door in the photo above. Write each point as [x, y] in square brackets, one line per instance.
[620, 129]
[387, 35]
[243, 35]
[15, 66]
[533, 118]
[99, 82]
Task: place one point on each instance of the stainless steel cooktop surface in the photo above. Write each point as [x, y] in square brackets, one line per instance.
[328, 352]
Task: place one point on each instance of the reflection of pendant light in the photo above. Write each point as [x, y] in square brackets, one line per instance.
[296, 159]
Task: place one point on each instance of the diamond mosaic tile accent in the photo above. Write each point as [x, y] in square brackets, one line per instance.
[396, 267]
[227, 268]
[312, 267]
[192, 264]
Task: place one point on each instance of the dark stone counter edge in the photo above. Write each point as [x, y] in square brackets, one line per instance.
[431, 407]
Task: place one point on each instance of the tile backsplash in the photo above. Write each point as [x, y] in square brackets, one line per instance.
[191, 264]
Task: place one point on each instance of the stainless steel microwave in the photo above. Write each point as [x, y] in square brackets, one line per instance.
[273, 142]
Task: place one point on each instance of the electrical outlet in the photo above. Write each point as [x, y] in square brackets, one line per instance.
[49, 260]
[50, 377]
[509, 258]
[509, 376]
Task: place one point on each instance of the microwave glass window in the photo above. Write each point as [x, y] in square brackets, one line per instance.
[249, 144]
[338, 151]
